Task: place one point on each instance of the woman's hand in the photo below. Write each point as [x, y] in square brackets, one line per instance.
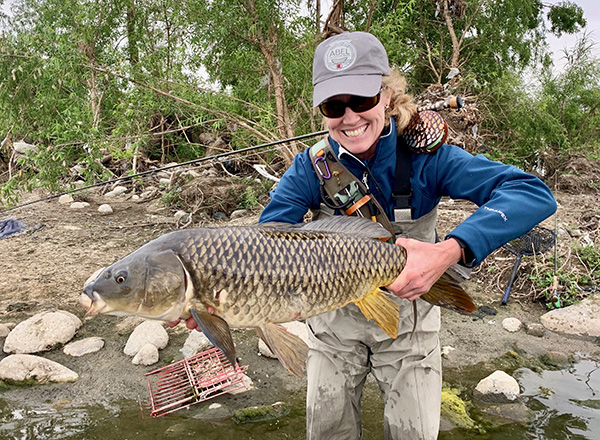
[425, 264]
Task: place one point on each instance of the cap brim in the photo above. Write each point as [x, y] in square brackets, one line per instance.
[358, 85]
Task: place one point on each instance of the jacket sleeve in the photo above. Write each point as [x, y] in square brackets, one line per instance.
[296, 193]
[510, 201]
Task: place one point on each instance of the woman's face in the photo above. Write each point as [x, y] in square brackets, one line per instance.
[359, 132]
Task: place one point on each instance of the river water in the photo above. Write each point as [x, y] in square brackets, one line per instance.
[565, 405]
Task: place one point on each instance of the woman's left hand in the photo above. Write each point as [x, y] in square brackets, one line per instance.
[425, 264]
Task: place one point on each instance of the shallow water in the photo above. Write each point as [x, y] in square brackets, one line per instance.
[566, 405]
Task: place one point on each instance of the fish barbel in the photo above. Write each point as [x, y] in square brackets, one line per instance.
[257, 276]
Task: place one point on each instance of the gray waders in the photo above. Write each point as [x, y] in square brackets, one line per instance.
[344, 347]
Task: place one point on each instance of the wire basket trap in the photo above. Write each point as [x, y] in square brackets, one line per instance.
[192, 380]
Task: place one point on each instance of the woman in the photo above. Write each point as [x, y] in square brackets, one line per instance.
[365, 107]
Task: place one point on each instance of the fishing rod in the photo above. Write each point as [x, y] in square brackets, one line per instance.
[167, 167]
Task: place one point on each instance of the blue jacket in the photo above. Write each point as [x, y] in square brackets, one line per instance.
[510, 201]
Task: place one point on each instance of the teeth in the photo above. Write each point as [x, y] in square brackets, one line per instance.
[355, 133]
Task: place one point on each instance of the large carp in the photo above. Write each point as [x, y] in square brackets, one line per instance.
[260, 275]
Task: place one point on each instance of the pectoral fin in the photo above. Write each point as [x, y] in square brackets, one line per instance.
[378, 306]
[217, 331]
[450, 295]
[289, 348]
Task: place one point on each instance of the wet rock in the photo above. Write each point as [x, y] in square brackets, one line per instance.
[454, 410]
[581, 319]
[535, 329]
[556, 359]
[511, 325]
[147, 355]
[29, 368]
[105, 209]
[148, 332]
[295, 327]
[498, 387]
[261, 413]
[195, 343]
[511, 412]
[84, 346]
[214, 411]
[42, 332]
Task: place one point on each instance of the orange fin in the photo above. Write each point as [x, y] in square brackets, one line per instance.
[378, 306]
[289, 348]
[450, 295]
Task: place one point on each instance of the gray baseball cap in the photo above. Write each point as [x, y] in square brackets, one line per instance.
[348, 63]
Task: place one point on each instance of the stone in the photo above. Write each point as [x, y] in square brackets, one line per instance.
[79, 205]
[105, 209]
[195, 343]
[146, 355]
[556, 359]
[238, 388]
[84, 346]
[42, 332]
[535, 329]
[498, 387]
[148, 332]
[116, 191]
[239, 213]
[512, 325]
[581, 319]
[26, 367]
[5, 329]
[65, 199]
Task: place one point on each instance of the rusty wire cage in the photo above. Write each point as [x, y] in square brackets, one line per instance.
[192, 380]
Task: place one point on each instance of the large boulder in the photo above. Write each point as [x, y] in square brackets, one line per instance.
[26, 367]
[581, 319]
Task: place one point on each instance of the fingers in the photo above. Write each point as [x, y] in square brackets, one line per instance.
[173, 323]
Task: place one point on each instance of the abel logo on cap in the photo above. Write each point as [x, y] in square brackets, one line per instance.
[340, 55]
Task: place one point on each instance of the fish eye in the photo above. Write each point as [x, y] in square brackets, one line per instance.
[121, 277]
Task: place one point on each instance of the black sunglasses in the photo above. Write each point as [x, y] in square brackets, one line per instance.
[358, 104]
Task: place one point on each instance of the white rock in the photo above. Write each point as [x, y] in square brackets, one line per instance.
[5, 329]
[581, 319]
[84, 346]
[42, 332]
[148, 332]
[79, 205]
[498, 387]
[164, 181]
[65, 199]
[446, 350]
[21, 367]
[105, 209]
[512, 325]
[295, 327]
[147, 355]
[116, 191]
[239, 213]
[195, 343]
[239, 388]
[22, 147]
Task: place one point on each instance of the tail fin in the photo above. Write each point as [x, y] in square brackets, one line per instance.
[450, 295]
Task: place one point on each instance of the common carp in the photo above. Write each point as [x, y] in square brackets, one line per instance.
[260, 275]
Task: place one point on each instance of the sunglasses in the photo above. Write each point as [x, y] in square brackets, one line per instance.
[358, 104]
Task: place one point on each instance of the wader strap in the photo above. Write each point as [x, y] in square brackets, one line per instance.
[341, 190]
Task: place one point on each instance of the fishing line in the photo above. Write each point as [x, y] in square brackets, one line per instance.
[216, 157]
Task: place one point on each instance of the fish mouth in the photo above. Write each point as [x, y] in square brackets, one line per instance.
[93, 303]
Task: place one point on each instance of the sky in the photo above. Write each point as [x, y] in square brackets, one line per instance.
[557, 45]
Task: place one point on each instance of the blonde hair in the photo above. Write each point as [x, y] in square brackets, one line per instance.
[402, 106]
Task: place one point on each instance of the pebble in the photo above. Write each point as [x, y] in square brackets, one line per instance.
[195, 343]
[535, 329]
[5, 329]
[65, 199]
[116, 191]
[239, 213]
[512, 325]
